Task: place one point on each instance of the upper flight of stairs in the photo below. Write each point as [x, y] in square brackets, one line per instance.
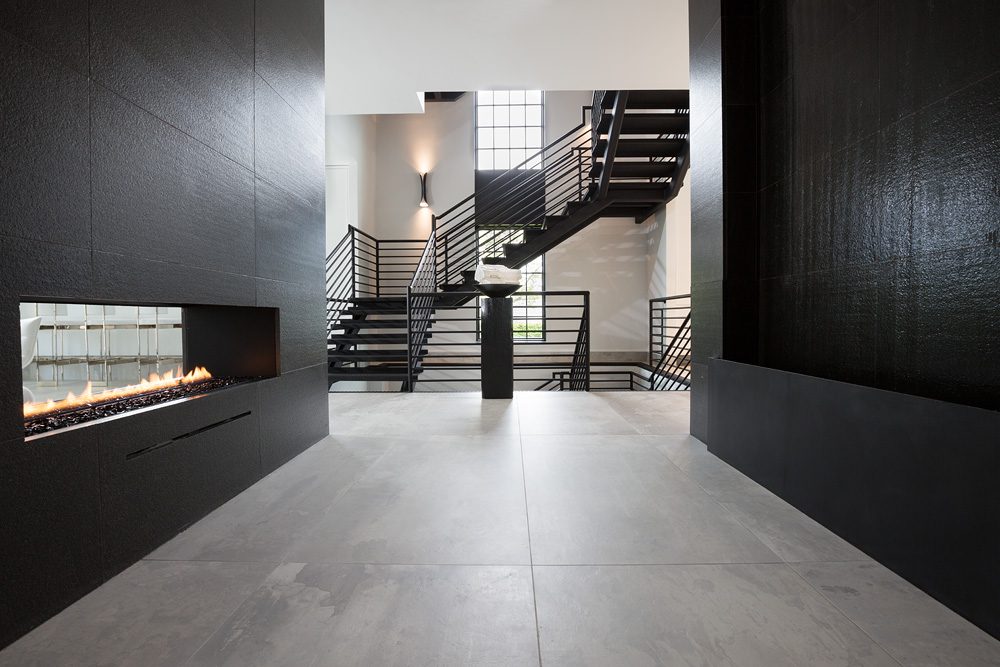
[644, 137]
[649, 159]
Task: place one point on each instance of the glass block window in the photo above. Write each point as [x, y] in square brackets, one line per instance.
[509, 129]
[529, 310]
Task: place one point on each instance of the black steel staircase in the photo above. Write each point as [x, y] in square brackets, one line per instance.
[628, 158]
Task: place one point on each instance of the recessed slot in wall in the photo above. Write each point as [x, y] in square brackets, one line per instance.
[83, 362]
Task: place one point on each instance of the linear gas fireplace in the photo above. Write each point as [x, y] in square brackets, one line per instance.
[87, 362]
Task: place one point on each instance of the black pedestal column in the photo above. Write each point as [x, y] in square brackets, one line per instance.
[498, 348]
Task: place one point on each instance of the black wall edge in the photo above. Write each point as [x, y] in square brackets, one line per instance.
[910, 481]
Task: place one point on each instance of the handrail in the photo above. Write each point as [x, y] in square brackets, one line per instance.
[671, 360]
[420, 307]
[516, 167]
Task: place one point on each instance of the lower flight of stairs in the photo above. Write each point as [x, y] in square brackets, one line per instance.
[369, 342]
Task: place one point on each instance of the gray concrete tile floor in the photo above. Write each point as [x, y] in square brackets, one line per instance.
[551, 529]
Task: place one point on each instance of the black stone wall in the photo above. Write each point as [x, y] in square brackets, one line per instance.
[705, 181]
[154, 151]
[880, 194]
[724, 184]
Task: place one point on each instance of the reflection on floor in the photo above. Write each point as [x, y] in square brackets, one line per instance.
[555, 529]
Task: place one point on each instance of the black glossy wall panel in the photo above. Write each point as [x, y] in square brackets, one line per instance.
[294, 412]
[302, 325]
[159, 194]
[173, 61]
[289, 56]
[132, 171]
[58, 28]
[46, 172]
[908, 480]
[287, 229]
[880, 203]
[706, 181]
[50, 513]
[157, 478]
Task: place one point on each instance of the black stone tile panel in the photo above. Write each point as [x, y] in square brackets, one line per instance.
[777, 149]
[290, 237]
[946, 315]
[35, 269]
[168, 58]
[928, 50]
[907, 480]
[706, 321]
[49, 510]
[160, 195]
[44, 147]
[289, 55]
[289, 153]
[739, 148]
[122, 278]
[740, 69]
[11, 397]
[759, 451]
[777, 229]
[699, 401]
[775, 44]
[703, 16]
[938, 182]
[295, 414]
[56, 27]
[302, 323]
[165, 468]
[706, 81]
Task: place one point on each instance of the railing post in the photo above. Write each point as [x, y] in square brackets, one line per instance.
[378, 267]
[651, 362]
[586, 313]
[433, 238]
[354, 264]
[409, 340]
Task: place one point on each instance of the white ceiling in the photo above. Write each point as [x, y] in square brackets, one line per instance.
[382, 54]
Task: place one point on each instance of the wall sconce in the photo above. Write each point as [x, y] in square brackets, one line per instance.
[423, 190]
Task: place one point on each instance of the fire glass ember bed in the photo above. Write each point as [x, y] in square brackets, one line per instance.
[84, 362]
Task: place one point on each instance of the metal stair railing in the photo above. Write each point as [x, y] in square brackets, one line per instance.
[519, 199]
[420, 297]
[670, 343]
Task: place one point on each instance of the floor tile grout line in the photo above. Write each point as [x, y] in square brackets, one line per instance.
[719, 503]
[844, 614]
[786, 564]
[527, 523]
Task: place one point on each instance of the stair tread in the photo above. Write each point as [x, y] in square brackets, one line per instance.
[374, 339]
[365, 355]
[369, 372]
[643, 147]
[648, 123]
[621, 169]
[370, 324]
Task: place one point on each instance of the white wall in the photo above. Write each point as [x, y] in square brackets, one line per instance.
[384, 52]
[669, 247]
[350, 144]
[609, 259]
[439, 141]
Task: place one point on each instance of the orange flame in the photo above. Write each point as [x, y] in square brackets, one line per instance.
[154, 383]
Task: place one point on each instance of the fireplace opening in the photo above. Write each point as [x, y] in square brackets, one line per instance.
[85, 362]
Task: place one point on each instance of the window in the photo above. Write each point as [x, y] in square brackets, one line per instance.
[509, 129]
[529, 310]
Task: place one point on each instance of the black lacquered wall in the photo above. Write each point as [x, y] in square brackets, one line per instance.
[155, 152]
[880, 198]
